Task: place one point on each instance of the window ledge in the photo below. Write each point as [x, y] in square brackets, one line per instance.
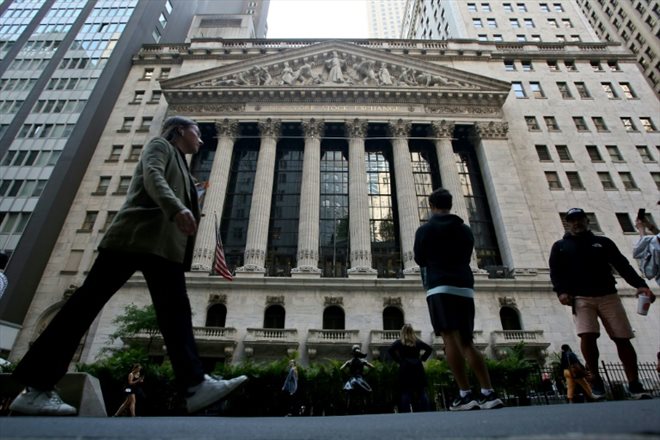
[98, 193]
[123, 130]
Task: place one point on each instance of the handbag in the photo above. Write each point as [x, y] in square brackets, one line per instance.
[578, 371]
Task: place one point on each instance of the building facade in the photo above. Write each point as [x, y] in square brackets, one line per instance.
[384, 18]
[317, 162]
[62, 66]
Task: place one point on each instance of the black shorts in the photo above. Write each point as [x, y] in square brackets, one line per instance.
[452, 312]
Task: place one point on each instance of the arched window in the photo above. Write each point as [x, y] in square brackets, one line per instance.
[274, 316]
[333, 318]
[216, 315]
[510, 318]
[392, 318]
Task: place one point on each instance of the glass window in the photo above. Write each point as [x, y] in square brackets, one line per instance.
[477, 23]
[518, 90]
[656, 179]
[544, 7]
[115, 152]
[146, 123]
[508, 7]
[102, 187]
[553, 23]
[509, 65]
[164, 73]
[647, 124]
[594, 154]
[609, 90]
[553, 66]
[563, 153]
[138, 97]
[127, 124]
[599, 123]
[134, 155]
[148, 73]
[595, 66]
[536, 89]
[567, 22]
[644, 153]
[426, 176]
[88, 223]
[558, 7]
[492, 23]
[614, 153]
[529, 23]
[334, 218]
[543, 153]
[521, 7]
[606, 180]
[564, 91]
[472, 7]
[485, 7]
[580, 123]
[574, 180]
[628, 124]
[626, 224]
[124, 183]
[551, 123]
[628, 181]
[532, 123]
[553, 180]
[614, 66]
[514, 23]
[582, 90]
[570, 66]
[628, 92]
[527, 66]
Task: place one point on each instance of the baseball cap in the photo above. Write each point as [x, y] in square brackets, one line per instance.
[574, 213]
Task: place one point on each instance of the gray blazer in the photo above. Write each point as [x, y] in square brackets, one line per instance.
[161, 187]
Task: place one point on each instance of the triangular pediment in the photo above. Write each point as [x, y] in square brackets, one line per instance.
[333, 67]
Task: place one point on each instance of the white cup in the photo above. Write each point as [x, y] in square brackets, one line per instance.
[643, 304]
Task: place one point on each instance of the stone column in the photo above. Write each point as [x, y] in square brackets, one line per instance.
[451, 180]
[358, 202]
[405, 193]
[518, 239]
[308, 226]
[214, 198]
[257, 235]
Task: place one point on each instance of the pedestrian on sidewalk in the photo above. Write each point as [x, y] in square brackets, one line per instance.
[409, 352]
[574, 373]
[154, 233]
[356, 387]
[647, 249]
[581, 273]
[443, 249]
[290, 387]
[132, 389]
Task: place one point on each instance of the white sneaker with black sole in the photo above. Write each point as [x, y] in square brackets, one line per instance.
[210, 391]
[41, 403]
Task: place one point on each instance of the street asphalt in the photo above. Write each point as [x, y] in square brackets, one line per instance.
[621, 420]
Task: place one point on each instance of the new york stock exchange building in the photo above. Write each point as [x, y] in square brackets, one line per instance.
[317, 161]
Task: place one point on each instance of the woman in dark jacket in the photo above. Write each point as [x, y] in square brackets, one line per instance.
[409, 352]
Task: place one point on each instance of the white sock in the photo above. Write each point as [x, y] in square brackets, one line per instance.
[486, 391]
[464, 392]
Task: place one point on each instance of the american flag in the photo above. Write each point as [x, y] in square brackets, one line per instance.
[219, 262]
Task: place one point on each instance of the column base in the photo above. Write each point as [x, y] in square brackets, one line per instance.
[250, 271]
[362, 272]
[306, 272]
[412, 272]
[199, 267]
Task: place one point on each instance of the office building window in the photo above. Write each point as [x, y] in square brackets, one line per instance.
[146, 123]
[527, 66]
[628, 181]
[532, 123]
[563, 153]
[656, 179]
[115, 152]
[88, 222]
[570, 66]
[628, 92]
[124, 183]
[596, 66]
[492, 23]
[529, 23]
[553, 180]
[594, 154]
[543, 153]
[648, 125]
[553, 66]
[509, 65]
[521, 38]
[514, 23]
[644, 153]
[551, 123]
[606, 180]
[485, 7]
[580, 123]
[553, 23]
[508, 7]
[609, 90]
[626, 224]
[164, 73]
[613, 66]
[127, 124]
[477, 23]
[108, 220]
[574, 181]
[544, 7]
[628, 124]
[582, 90]
[536, 89]
[518, 90]
[148, 73]
[558, 7]
[521, 7]
[472, 7]
[102, 187]
[567, 22]
[134, 155]
[614, 153]
[564, 91]
[599, 123]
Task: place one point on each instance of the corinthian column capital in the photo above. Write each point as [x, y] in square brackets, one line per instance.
[442, 128]
[270, 127]
[313, 128]
[400, 128]
[227, 127]
[492, 130]
[357, 128]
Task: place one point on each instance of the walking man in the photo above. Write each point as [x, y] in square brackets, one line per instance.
[153, 232]
[443, 248]
[581, 273]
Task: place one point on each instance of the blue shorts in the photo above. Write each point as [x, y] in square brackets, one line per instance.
[452, 312]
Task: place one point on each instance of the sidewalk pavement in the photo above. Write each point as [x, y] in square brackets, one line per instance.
[621, 420]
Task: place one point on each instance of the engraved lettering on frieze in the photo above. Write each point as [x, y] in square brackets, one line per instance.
[205, 108]
[492, 130]
[217, 299]
[462, 109]
[270, 300]
[227, 127]
[334, 301]
[507, 301]
[392, 301]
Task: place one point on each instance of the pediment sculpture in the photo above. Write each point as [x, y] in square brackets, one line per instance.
[333, 69]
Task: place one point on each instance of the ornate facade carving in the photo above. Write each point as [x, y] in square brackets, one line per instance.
[357, 128]
[272, 300]
[217, 299]
[442, 128]
[462, 110]
[205, 108]
[507, 301]
[333, 301]
[270, 127]
[400, 128]
[313, 128]
[492, 130]
[227, 127]
[390, 301]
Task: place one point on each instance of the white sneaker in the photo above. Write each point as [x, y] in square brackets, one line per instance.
[44, 403]
[210, 391]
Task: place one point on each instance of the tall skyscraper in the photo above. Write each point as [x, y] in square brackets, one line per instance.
[635, 24]
[62, 66]
[384, 17]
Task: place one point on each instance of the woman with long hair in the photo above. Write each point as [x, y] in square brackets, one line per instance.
[133, 387]
[409, 352]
